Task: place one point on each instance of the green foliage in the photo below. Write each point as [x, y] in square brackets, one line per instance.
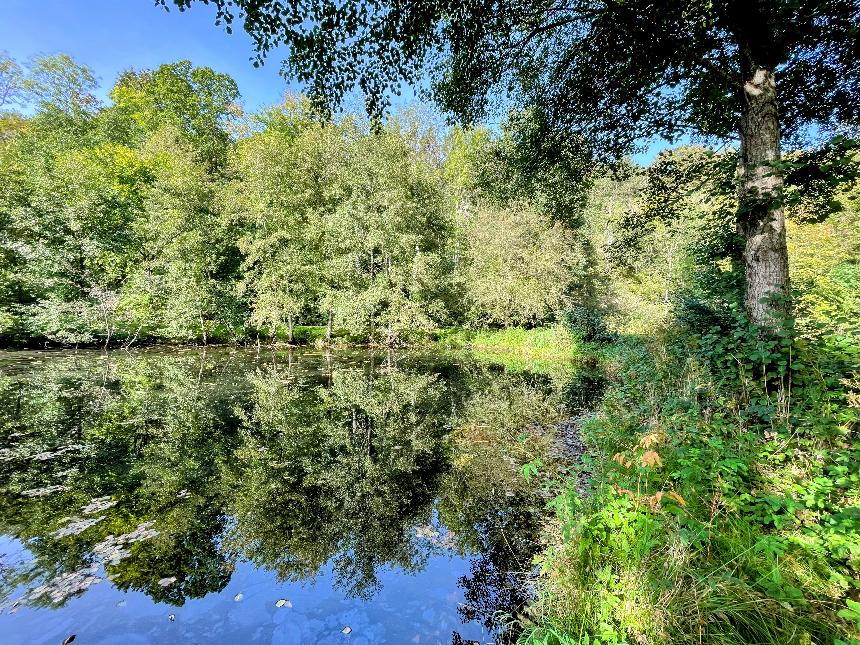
[58, 83]
[587, 324]
[544, 342]
[278, 197]
[723, 504]
[824, 267]
[12, 83]
[108, 236]
[574, 95]
[520, 270]
[683, 66]
[724, 490]
[531, 468]
[723, 458]
[198, 102]
[182, 284]
[166, 217]
[393, 232]
[724, 495]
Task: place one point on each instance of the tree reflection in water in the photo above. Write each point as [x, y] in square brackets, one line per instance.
[199, 460]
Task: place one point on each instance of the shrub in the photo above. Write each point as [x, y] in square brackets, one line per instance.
[588, 324]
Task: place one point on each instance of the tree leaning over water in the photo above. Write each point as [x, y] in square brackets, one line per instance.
[605, 75]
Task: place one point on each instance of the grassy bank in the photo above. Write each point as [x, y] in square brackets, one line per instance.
[542, 343]
[539, 343]
[725, 498]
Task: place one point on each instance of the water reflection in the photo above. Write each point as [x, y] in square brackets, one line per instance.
[184, 475]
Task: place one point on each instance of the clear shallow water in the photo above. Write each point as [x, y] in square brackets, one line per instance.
[222, 496]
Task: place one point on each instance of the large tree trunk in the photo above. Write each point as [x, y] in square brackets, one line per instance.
[760, 215]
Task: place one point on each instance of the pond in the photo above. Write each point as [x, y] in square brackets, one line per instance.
[166, 496]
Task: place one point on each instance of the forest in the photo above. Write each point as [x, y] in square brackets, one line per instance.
[711, 293]
[170, 216]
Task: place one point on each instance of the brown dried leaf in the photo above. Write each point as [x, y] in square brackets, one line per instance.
[619, 458]
[650, 440]
[677, 498]
[651, 459]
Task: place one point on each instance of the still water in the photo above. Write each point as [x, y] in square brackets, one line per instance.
[235, 497]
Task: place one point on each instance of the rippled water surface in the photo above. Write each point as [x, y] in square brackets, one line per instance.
[236, 497]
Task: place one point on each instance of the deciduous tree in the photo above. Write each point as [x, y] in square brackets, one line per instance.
[608, 73]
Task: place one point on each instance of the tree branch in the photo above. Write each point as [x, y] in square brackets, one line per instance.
[719, 71]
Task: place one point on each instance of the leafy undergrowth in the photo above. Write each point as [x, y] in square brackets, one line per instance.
[725, 503]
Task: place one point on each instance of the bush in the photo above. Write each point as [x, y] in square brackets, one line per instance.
[588, 324]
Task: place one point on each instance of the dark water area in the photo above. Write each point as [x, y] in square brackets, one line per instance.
[229, 496]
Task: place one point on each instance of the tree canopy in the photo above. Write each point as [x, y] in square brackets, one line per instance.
[607, 75]
[611, 72]
[169, 214]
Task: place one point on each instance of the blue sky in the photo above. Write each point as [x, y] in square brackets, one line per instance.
[111, 36]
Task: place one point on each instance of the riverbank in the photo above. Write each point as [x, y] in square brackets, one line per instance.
[538, 343]
[722, 503]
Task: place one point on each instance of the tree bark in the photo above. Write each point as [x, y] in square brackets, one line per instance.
[290, 328]
[328, 327]
[761, 219]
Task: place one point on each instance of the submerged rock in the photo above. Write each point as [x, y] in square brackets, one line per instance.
[569, 446]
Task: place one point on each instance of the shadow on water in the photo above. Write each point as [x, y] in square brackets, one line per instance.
[164, 496]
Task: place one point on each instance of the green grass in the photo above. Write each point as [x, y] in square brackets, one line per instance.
[541, 342]
[311, 335]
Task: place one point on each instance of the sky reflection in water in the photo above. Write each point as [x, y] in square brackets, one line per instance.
[223, 496]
